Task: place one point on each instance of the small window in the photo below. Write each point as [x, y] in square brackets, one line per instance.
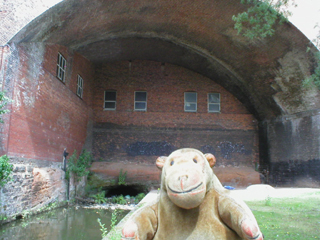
[190, 101]
[61, 67]
[140, 101]
[213, 102]
[80, 86]
[110, 100]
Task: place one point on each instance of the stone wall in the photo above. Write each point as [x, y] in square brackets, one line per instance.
[35, 185]
[294, 152]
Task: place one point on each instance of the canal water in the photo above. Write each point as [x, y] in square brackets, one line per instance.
[72, 223]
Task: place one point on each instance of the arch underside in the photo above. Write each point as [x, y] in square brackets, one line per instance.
[198, 36]
[264, 75]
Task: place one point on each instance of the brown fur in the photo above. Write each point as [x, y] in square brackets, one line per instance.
[184, 211]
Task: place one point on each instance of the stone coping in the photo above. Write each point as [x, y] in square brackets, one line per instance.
[255, 192]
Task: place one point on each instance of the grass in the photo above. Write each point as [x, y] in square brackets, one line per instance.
[288, 218]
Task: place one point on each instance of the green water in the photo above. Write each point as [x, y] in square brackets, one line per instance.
[60, 224]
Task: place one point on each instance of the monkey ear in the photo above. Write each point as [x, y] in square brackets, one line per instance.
[160, 161]
[211, 159]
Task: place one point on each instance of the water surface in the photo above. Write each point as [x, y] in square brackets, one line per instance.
[60, 224]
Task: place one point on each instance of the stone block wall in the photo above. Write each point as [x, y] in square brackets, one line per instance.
[294, 152]
[35, 184]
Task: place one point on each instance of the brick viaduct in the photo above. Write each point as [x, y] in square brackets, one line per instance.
[164, 48]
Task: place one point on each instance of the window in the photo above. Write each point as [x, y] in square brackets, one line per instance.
[213, 102]
[80, 86]
[140, 101]
[61, 67]
[190, 101]
[110, 100]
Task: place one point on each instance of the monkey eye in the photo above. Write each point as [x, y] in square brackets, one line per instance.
[172, 162]
[195, 160]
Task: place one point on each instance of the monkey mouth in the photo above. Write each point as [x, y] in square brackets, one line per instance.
[187, 191]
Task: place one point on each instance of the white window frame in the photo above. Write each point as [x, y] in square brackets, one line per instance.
[61, 67]
[80, 86]
[139, 101]
[110, 101]
[217, 103]
[188, 103]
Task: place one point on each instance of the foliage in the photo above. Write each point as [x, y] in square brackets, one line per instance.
[103, 229]
[259, 19]
[3, 102]
[268, 201]
[139, 197]
[119, 200]
[79, 166]
[114, 235]
[5, 170]
[315, 77]
[122, 178]
[100, 197]
[295, 211]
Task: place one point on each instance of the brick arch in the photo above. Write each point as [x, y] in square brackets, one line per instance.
[185, 30]
[265, 75]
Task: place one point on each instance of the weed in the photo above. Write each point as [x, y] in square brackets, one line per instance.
[268, 201]
[5, 170]
[114, 235]
[139, 197]
[79, 166]
[103, 229]
[100, 197]
[119, 200]
[122, 178]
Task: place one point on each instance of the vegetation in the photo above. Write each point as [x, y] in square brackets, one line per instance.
[100, 197]
[122, 178]
[259, 20]
[261, 16]
[139, 197]
[5, 170]
[79, 166]
[3, 102]
[114, 235]
[119, 200]
[301, 216]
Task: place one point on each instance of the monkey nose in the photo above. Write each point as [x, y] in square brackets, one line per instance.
[183, 179]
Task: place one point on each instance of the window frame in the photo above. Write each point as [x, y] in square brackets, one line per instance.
[80, 86]
[215, 103]
[189, 102]
[135, 101]
[61, 68]
[110, 101]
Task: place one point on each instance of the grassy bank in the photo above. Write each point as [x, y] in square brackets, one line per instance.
[289, 218]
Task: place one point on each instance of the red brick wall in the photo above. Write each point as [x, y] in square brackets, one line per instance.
[47, 115]
[165, 97]
[125, 134]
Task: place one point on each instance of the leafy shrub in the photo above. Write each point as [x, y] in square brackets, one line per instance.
[79, 166]
[119, 200]
[139, 197]
[100, 197]
[5, 170]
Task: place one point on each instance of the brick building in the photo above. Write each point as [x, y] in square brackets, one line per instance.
[130, 81]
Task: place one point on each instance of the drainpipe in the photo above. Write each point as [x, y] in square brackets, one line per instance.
[65, 154]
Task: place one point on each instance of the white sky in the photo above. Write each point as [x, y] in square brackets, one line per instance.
[305, 16]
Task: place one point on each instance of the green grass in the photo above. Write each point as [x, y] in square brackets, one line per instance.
[289, 218]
